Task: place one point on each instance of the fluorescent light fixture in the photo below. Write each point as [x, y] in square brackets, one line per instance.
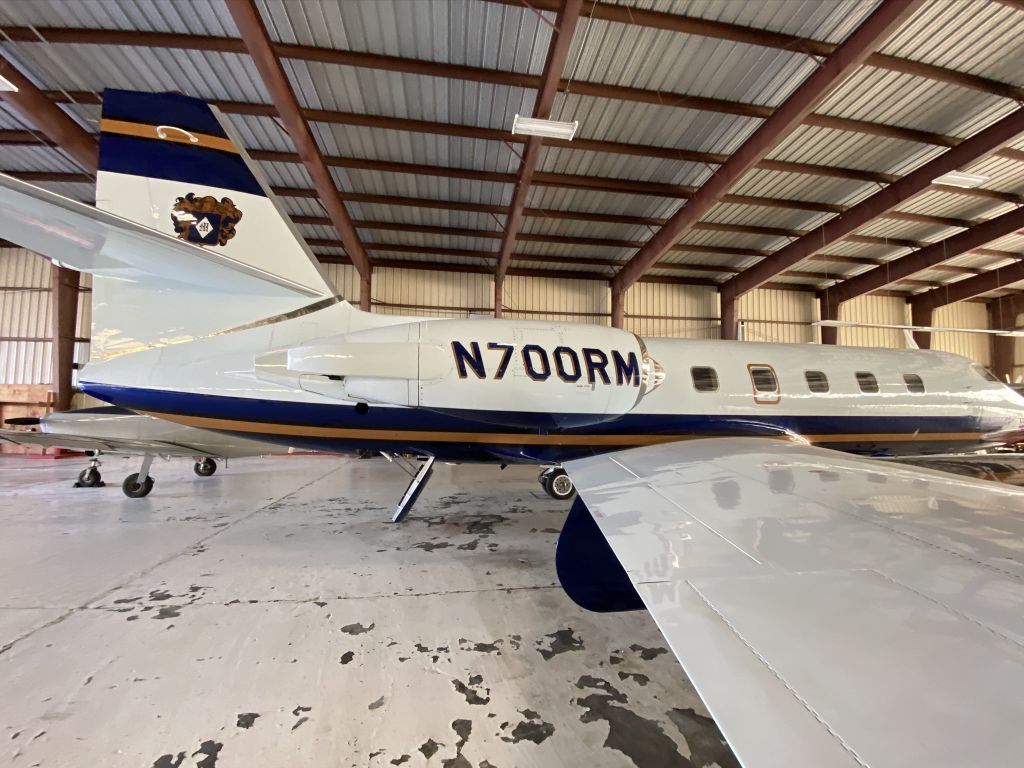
[549, 129]
[7, 85]
[958, 179]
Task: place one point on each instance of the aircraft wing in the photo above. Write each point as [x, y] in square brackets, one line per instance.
[115, 445]
[830, 610]
[90, 240]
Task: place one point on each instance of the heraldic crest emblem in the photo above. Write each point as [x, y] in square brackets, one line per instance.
[205, 220]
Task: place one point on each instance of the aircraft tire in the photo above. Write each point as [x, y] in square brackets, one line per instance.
[205, 468]
[89, 477]
[557, 484]
[133, 489]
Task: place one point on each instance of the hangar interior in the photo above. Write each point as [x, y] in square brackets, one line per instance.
[729, 176]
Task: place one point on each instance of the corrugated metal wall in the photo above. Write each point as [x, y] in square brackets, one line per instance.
[570, 301]
[680, 311]
[25, 313]
[781, 316]
[891, 310]
[431, 294]
[963, 314]
[345, 280]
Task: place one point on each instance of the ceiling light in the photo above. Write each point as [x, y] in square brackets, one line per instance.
[958, 179]
[549, 129]
[7, 85]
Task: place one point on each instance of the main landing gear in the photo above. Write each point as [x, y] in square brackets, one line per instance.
[557, 484]
[139, 484]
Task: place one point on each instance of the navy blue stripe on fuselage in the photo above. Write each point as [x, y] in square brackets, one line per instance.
[346, 416]
[188, 164]
[161, 109]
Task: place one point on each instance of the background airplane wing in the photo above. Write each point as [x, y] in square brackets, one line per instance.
[90, 240]
[108, 445]
[830, 610]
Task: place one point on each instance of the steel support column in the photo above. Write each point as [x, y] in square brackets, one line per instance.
[365, 290]
[618, 307]
[1002, 315]
[829, 310]
[64, 319]
[728, 315]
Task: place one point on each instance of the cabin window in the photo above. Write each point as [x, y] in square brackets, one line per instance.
[986, 374]
[763, 379]
[914, 383]
[867, 382]
[817, 381]
[705, 379]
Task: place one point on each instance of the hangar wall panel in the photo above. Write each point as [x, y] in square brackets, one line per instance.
[963, 314]
[564, 300]
[25, 312]
[874, 309]
[781, 316]
[345, 280]
[431, 294]
[672, 311]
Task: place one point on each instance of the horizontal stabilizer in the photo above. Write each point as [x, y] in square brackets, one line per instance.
[89, 240]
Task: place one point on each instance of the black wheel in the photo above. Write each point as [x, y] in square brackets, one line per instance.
[558, 484]
[89, 477]
[205, 468]
[134, 489]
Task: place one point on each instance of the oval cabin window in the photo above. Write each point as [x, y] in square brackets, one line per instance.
[764, 380]
[914, 384]
[867, 382]
[817, 381]
[705, 379]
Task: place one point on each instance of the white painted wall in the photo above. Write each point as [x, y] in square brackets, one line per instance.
[672, 311]
[570, 301]
[874, 309]
[778, 316]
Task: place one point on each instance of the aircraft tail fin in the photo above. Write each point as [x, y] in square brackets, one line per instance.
[171, 163]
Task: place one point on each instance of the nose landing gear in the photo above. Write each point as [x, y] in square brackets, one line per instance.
[90, 476]
[205, 467]
[557, 483]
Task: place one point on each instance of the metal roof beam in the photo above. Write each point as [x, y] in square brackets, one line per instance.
[459, 72]
[936, 253]
[260, 48]
[35, 108]
[840, 65]
[777, 40]
[981, 144]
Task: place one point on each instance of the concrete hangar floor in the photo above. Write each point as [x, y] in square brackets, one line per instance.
[270, 615]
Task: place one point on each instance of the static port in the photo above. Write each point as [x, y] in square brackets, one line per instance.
[362, 408]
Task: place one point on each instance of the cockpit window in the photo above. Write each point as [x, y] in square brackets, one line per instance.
[867, 382]
[986, 374]
[705, 379]
[914, 384]
[817, 381]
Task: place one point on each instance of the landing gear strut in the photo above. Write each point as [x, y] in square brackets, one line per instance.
[205, 467]
[139, 484]
[90, 476]
[557, 483]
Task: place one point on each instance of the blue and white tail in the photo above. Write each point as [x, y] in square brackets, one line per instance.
[169, 162]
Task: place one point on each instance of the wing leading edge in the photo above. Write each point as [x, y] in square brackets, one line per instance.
[830, 610]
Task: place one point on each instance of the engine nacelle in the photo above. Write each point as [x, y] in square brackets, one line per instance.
[506, 372]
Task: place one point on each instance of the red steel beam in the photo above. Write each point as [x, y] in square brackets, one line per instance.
[36, 108]
[558, 52]
[926, 258]
[473, 74]
[259, 46]
[979, 145]
[768, 39]
[840, 65]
